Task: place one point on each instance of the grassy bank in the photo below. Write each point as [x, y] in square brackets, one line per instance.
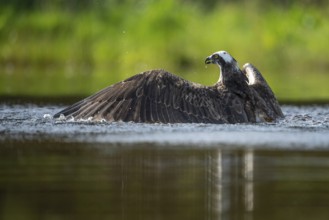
[63, 52]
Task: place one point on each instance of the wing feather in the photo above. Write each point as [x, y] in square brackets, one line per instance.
[267, 106]
[160, 113]
[154, 96]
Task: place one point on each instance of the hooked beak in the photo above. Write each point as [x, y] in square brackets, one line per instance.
[209, 60]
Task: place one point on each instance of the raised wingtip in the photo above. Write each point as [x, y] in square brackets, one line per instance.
[251, 73]
[248, 65]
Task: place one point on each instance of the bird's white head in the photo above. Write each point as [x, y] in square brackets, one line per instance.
[221, 58]
[225, 61]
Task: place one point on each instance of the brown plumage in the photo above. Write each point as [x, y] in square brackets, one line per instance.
[268, 108]
[157, 96]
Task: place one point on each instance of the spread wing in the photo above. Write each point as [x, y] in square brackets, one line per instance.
[157, 96]
[267, 106]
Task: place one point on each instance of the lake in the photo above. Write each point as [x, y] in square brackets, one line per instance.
[62, 169]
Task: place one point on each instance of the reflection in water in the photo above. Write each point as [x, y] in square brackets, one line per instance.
[248, 175]
[79, 181]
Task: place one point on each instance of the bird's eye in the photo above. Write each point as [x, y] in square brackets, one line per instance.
[216, 56]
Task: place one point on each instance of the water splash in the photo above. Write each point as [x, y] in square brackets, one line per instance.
[47, 116]
[303, 127]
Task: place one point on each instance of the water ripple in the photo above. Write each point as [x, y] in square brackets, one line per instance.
[304, 127]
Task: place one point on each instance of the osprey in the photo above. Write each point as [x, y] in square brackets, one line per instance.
[157, 96]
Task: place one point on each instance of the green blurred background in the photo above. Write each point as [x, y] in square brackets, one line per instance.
[76, 47]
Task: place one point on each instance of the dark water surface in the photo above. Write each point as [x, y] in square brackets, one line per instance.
[83, 170]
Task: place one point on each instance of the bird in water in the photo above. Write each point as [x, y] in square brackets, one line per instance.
[157, 96]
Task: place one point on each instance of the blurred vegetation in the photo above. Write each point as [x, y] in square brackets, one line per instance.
[71, 47]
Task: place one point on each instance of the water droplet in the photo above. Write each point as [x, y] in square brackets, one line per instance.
[47, 116]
